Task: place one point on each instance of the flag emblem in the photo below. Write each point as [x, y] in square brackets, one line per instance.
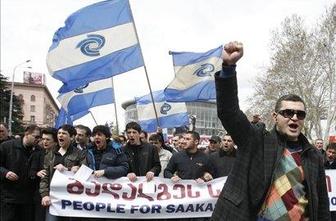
[165, 108]
[80, 90]
[91, 45]
[205, 70]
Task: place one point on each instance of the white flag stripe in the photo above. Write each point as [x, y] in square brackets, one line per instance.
[186, 78]
[116, 38]
[91, 88]
[146, 112]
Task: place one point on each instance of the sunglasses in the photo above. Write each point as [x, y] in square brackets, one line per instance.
[289, 113]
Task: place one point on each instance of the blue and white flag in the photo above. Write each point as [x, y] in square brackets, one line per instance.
[64, 118]
[97, 42]
[194, 76]
[169, 114]
[90, 95]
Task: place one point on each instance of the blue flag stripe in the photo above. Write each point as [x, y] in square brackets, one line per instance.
[186, 58]
[104, 14]
[157, 95]
[171, 121]
[86, 101]
[107, 66]
[202, 91]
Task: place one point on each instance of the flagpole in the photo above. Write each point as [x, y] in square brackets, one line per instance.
[93, 118]
[149, 85]
[115, 107]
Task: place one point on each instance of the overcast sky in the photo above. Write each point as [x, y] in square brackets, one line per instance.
[27, 27]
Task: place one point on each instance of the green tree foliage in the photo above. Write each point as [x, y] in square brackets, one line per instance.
[17, 116]
[303, 62]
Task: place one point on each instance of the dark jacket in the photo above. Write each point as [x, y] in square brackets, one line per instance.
[16, 158]
[74, 157]
[142, 158]
[331, 166]
[222, 162]
[258, 155]
[113, 161]
[188, 166]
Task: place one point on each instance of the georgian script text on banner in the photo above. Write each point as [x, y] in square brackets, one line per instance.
[159, 199]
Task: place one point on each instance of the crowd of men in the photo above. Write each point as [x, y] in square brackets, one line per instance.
[272, 175]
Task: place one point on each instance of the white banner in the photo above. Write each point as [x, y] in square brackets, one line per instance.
[158, 199]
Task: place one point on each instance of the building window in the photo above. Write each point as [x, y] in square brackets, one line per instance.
[32, 119]
[32, 108]
[32, 98]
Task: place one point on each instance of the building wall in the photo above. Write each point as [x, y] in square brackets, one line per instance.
[38, 105]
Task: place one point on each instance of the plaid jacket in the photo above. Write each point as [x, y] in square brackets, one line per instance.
[258, 154]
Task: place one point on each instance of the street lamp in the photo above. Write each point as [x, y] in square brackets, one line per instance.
[11, 97]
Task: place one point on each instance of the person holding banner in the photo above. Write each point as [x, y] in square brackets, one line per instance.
[106, 157]
[65, 157]
[143, 158]
[277, 175]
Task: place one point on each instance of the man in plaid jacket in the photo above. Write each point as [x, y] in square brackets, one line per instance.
[277, 175]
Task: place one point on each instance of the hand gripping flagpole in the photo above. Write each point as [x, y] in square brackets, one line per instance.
[149, 85]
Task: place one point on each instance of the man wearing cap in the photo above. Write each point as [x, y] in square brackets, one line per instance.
[278, 175]
[214, 144]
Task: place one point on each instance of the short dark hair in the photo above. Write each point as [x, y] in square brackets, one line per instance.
[156, 137]
[288, 97]
[85, 128]
[50, 131]
[133, 125]
[102, 129]
[194, 134]
[331, 146]
[31, 128]
[69, 128]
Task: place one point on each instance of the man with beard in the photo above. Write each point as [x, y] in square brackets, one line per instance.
[64, 157]
[17, 186]
[190, 163]
[277, 175]
[143, 159]
[224, 158]
[82, 138]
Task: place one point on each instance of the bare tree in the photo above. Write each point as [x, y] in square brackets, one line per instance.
[303, 63]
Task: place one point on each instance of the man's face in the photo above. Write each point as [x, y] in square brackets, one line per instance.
[331, 154]
[143, 138]
[189, 143]
[286, 122]
[319, 144]
[175, 141]
[213, 145]
[64, 139]
[100, 140]
[3, 132]
[48, 142]
[181, 144]
[156, 143]
[227, 143]
[32, 138]
[133, 136]
[81, 137]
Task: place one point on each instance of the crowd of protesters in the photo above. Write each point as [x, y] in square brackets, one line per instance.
[255, 160]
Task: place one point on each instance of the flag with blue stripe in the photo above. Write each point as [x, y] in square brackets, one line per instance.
[170, 115]
[97, 42]
[64, 118]
[194, 76]
[90, 95]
